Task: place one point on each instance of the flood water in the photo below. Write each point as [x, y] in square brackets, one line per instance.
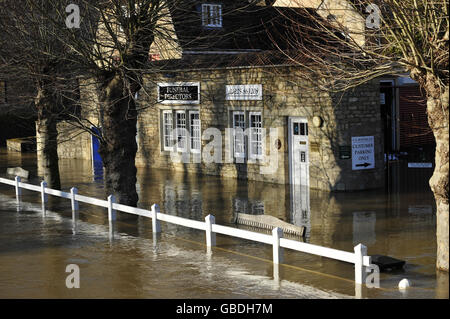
[36, 248]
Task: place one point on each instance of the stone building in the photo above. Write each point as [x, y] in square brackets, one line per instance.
[229, 108]
[315, 131]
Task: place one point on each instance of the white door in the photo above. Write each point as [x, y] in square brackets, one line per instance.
[299, 171]
[298, 151]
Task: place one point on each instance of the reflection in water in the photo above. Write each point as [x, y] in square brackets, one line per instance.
[364, 228]
[300, 210]
[248, 206]
[400, 225]
[97, 168]
[75, 217]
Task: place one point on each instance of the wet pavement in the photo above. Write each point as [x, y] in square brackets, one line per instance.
[35, 248]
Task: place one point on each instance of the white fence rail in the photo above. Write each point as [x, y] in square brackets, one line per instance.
[359, 257]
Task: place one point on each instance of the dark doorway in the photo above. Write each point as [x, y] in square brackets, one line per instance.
[388, 116]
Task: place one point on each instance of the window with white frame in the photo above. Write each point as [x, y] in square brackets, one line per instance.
[255, 135]
[180, 131]
[167, 130]
[211, 15]
[194, 131]
[239, 136]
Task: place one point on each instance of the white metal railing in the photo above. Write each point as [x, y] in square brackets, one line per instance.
[359, 257]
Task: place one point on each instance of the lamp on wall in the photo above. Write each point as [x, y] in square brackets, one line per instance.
[278, 144]
[317, 121]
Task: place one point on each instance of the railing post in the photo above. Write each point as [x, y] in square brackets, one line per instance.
[156, 226]
[360, 273]
[74, 202]
[210, 235]
[18, 189]
[44, 197]
[276, 277]
[277, 233]
[111, 211]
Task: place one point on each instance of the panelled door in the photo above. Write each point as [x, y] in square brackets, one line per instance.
[299, 171]
[298, 151]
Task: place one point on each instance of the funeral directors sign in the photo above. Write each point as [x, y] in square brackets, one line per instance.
[179, 93]
[247, 92]
[363, 155]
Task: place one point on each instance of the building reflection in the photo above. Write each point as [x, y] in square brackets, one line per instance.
[401, 224]
[364, 228]
[300, 208]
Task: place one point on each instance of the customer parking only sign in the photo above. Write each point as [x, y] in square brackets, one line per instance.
[363, 152]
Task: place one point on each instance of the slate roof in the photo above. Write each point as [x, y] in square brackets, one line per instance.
[210, 61]
[249, 36]
[244, 28]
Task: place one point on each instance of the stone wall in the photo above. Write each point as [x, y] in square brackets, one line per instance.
[355, 113]
[73, 142]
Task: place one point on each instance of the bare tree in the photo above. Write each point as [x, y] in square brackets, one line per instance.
[112, 50]
[36, 66]
[406, 36]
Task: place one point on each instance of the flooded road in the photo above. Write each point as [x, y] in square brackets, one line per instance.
[35, 249]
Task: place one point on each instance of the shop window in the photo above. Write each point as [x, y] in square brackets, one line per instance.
[239, 136]
[256, 135]
[194, 131]
[175, 126]
[167, 130]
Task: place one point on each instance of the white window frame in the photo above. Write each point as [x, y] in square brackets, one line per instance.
[177, 135]
[192, 135]
[253, 155]
[238, 154]
[209, 18]
[164, 135]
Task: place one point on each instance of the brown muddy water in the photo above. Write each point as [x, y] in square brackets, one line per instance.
[36, 248]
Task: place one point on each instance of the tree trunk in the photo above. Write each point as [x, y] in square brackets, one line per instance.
[48, 154]
[438, 118]
[118, 148]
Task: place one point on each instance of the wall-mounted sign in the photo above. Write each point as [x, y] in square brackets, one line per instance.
[247, 92]
[363, 155]
[420, 165]
[345, 152]
[179, 93]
